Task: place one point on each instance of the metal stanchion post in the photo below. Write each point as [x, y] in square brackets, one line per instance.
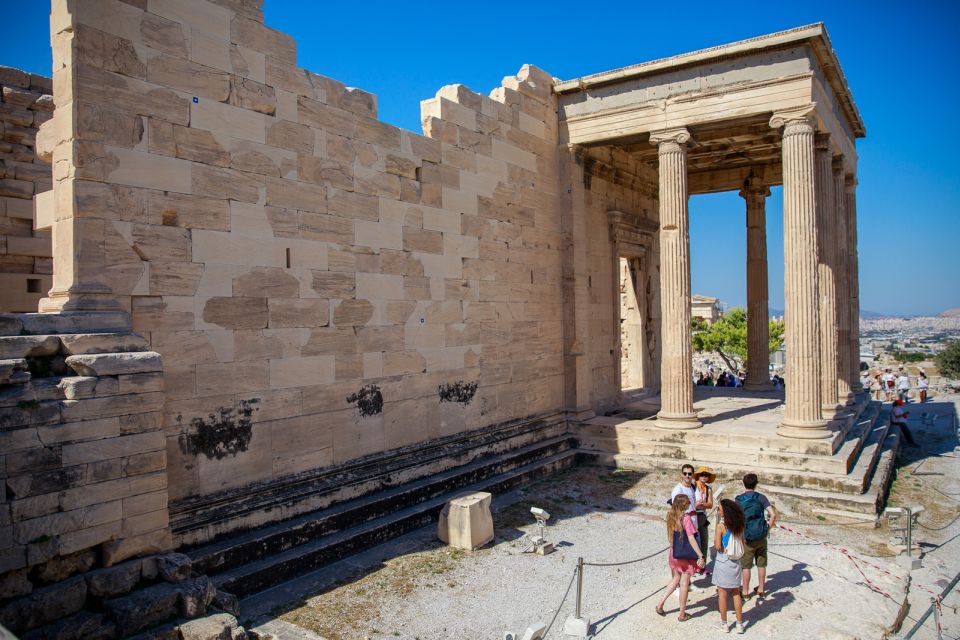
[578, 626]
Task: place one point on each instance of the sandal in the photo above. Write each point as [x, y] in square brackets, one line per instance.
[660, 611]
[684, 617]
[760, 594]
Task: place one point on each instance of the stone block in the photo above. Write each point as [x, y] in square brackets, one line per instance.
[164, 35]
[44, 605]
[199, 16]
[253, 95]
[187, 211]
[290, 135]
[90, 343]
[375, 286]
[228, 119]
[309, 313]
[287, 373]
[219, 626]
[114, 581]
[466, 522]
[210, 51]
[236, 377]
[353, 205]
[85, 625]
[255, 35]
[296, 195]
[248, 63]
[62, 567]
[14, 77]
[237, 313]
[112, 364]
[352, 313]
[96, 86]
[116, 550]
[270, 282]
[12, 347]
[118, 447]
[174, 567]
[138, 169]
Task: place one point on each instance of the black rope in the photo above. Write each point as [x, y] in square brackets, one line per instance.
[946, 526]
[830, 524]
[562, 600]
[620, 564]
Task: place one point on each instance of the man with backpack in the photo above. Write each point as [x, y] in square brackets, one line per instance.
[759, 516]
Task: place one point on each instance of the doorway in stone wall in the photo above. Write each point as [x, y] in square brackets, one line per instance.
[632, 294]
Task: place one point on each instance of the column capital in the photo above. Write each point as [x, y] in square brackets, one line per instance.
[678, 136]
[754, 186]
[821, 141]
[850, 181]
[803, 116]
[838, 163]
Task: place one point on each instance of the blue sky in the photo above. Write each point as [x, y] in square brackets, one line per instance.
[899, 58]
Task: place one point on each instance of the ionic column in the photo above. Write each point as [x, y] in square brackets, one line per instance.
[842, 279]
[676, 409]
[853, 278]
[826, 277]
[755, 194]
[802, 417]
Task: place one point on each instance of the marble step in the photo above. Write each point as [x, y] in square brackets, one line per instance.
[273, 568]
[251, 546]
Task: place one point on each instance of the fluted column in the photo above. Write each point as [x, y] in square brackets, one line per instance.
[853, 278]
[755, 194]
[826, 276]
[676, 409]
[802, 413]
[842, 279]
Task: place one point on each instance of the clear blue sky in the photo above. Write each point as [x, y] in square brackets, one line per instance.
[901, 61]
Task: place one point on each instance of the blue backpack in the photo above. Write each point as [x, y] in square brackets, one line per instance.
[756, 524]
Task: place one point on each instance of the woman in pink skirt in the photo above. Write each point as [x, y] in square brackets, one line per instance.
[678, 519]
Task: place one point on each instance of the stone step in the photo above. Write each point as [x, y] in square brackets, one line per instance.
[650, 442]
[274, 567]
[16, 324]
[244, 547]
[202, 519]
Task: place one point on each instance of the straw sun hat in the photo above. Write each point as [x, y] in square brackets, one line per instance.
[708, 470]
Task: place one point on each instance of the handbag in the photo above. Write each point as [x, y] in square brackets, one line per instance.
[682, 549]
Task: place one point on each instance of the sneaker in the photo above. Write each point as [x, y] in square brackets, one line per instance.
[741, 627]
[723, 626]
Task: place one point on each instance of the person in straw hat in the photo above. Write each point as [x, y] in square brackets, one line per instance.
[703, 502]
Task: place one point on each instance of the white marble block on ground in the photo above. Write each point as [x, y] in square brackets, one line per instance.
[465, 521]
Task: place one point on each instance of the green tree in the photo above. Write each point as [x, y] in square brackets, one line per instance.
[727, 337]
[948, 360]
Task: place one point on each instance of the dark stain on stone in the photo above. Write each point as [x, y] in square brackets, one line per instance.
[225, 432]
[368, 399]
[459, 391]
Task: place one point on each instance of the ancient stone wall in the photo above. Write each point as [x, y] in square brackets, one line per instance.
[322, 286]
[25, 254]
[81, 447]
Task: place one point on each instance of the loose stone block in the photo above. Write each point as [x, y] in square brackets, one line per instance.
[237, 313]
[13, 347]
[466, 522]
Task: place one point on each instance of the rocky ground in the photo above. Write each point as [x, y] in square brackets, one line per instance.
[416, 588]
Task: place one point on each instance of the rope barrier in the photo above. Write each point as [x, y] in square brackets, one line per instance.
[562, 600]
[620, 564]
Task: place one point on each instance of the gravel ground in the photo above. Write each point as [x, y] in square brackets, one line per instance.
[415, 588]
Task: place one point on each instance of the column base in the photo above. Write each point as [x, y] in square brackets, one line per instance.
[831, 412]
[676, 421]
[83, 297]
[813, 430]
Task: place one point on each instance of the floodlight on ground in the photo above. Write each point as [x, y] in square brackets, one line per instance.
[538, 543]
[901, 521]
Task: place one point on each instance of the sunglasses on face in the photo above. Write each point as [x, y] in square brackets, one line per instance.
[687, 474]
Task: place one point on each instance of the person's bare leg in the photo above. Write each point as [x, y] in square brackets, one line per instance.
[674, 581]
[722, 603]
[684, 591]
[738, 606]
[746, 582]
[761, 579]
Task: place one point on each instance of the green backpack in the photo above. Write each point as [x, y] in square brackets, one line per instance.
[756, 527]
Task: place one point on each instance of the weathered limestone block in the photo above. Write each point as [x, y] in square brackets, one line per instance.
[15, 583]
[174, 567]
[114, 581]
[219, 626]
[85, 625]
[143, 609]
[189, 212]
[254, 95]
[91, 343]
[10, 325]
[163, 35]
[153, 542]
[62, 567]
[465, 522]
[12, 347]
[286, 313]
[112, 364]
[259, 37]
[14, 371]
[44, 605]
[237, 313]
[14, 77]
[189, 77]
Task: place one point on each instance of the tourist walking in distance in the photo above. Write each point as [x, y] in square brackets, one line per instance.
[703, 502]
[889, 382]
[759, 517]
[922, 385]
[681, 521]
[903, 386]
[727, 573]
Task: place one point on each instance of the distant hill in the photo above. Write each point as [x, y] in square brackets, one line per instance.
[873, 315]
[950, 313]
